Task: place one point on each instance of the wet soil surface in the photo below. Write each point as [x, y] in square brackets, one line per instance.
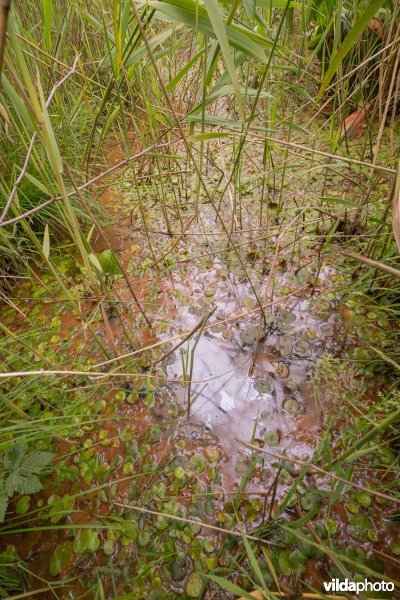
[171, 439]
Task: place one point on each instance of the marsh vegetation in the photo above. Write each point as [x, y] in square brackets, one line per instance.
[199, 298]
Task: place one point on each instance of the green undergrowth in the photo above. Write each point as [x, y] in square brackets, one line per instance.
[111, 484]
[73, 452]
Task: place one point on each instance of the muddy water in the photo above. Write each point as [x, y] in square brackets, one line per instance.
[273, 402]
[235, 396]
[273, 405]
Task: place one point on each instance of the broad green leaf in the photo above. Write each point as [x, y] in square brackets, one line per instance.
[349, 41]
[61, 508]
[108, 263]
[47, 12]
[194, 585]
[86, 540]
[13, 458]
[22, 484]
[95, 262]
[194, 15]
[36, 462]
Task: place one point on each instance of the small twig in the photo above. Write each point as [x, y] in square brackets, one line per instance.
[187, 336]
[19, 179]
[274, 490]
[372, 263]
[205, 525]
[205, 319]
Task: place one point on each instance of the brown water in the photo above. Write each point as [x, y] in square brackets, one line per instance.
[277, 397]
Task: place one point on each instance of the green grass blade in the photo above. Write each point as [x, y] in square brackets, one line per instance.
[230, 587]
[47, 13]
[220, 33]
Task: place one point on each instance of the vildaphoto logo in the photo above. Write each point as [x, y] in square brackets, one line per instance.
[345, 585]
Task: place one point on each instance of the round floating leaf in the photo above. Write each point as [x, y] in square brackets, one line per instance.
[22, 505]
[109, 547]
[242, 464]
[302, 347]
[352, 508]
[364, 499]
[286, 320]
[282, 370]
[60, 558]
[195, 527]
[284, 345]
[194, 585]
[310, 501]
[272, 438]
[212, 454]
[359, 526]
[356, 555]
[292, 407]
[324, 305]
[143, 538]
[86, 540]
[132, 397]
[311, 334]
[331, 526]
[307, 548]
[376, 564]
[178, 570]
[195, 465]
[249, 336]
[263, 386]
[395, 548]
[179, 473]
[284, 562]
[297, 559]
[285, 477]
[320, 529]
